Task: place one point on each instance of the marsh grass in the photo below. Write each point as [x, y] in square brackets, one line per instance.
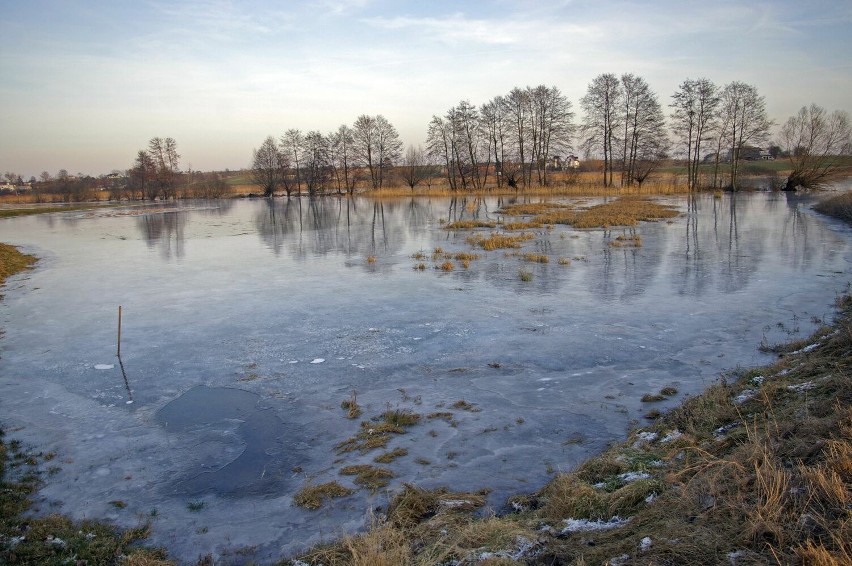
[367, 476]
[839, 206]
[13, 261]
[353, 410]
[469, 224]
[535, 258]
[632, 241]
[313, 496]
[389, 457]
[525, 276]
[496, 241]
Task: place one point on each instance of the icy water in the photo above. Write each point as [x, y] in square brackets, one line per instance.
[247, 323]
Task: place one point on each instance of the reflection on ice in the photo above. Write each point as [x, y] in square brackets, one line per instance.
[227, 306]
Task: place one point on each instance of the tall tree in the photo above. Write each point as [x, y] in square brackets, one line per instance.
[142, 177]
[744, 112]
[340, 158]
[644, 139]
[494, 124]
[291, 147]
[517, 114]
[377, 145]
[413, 169]
[267, 167]
[601, 121]
[439, 145]
[695, 104]
[314, 152]
[163, 152]
[551, 127]
[815, 141]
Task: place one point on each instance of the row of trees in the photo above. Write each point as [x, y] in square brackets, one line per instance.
[322, 162]
[512, 135]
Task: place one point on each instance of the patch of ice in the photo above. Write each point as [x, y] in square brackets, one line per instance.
[104, 366]
[453, 503]
[650, 499]
[15, 541]
[647, 436]
[584, 525]
[645, 544]
[757, 380]
[806, 349]
[724, 430]
[628, 477]
[318, 360]
[802, 387]
[746, 395]
[733, 557]
[673, 435]
[293, 362]
[55, 541]
[619, 560]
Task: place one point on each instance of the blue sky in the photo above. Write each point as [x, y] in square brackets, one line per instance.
[85, 84]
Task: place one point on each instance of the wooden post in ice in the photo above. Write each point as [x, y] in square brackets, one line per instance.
[118, 353]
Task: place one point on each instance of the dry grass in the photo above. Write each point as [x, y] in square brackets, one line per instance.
[497, 241]
[389, 457]
[622, 212]
[533, 209]
[353, 410]
[469, 224]
[370, 477]
[633, 241]
[535, 258]
[839, 206]
[313, 496]
[12, 261]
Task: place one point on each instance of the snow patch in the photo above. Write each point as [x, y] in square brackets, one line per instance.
[802, 387]
[584, 525]
[746, 395]
[318, 361]
[628, 477]
[673, 435]
[104, 366]
[645, 544]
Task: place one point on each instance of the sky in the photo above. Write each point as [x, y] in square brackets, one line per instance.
[86, 84]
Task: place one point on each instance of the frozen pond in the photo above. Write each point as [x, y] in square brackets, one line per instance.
[247, 323]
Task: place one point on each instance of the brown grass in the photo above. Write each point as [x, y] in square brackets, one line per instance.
[469, 224]
[313, 496]
[370, 477]
[497, 241]
[13, 261]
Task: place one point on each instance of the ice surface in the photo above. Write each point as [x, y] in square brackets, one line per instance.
[226, 304]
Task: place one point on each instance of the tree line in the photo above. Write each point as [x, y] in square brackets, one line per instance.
[517, 138]
[327, 162]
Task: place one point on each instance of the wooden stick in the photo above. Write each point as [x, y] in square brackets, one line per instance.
[118, 353]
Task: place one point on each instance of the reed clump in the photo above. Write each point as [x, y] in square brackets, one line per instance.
[497, 241]
[469, 224]
[313, 496]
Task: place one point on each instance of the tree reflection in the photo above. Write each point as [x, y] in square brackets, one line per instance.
[166, 230]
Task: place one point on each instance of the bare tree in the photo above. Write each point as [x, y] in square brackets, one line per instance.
[601, 122]
[494, 125]
[163, 152]
[695, 103]
[517, 114]
[377, 145]
[291, 144]
[644, 140]
[551, 127]
[744, 112]
[815, 141]
[413, 169]
[439, 143]
[267, 166]
[314, 158]
[142, 177]
[340, 158]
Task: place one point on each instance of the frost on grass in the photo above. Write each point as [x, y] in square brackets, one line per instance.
[585, 525]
